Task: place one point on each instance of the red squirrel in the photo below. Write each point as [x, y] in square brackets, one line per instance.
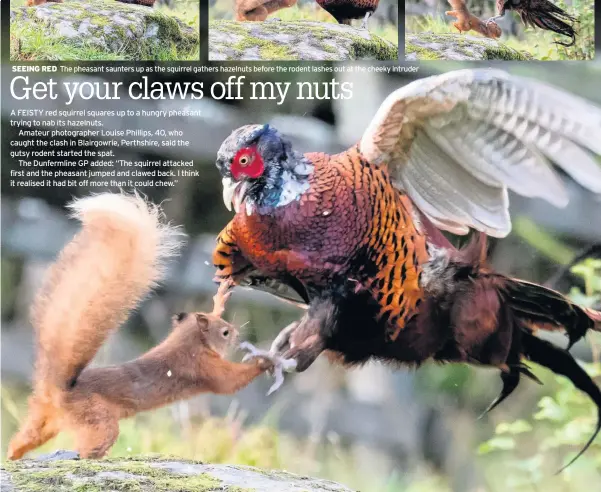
[466, 21]
[99, 278]
[258, 10]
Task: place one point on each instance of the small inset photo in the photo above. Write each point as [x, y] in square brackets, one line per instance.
[318, 30]
[499, 30]
[93, 30]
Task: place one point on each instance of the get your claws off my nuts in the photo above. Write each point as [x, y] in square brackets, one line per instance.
[279, 363]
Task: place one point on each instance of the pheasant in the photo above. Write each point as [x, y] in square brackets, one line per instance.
[344, 11]
[540, 13]
[355, 238]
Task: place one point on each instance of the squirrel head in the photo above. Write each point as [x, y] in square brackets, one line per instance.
[206, 329]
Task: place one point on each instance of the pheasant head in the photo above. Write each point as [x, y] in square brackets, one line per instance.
[260, 170]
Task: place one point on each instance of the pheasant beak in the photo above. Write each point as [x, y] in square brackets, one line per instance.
[234, 193]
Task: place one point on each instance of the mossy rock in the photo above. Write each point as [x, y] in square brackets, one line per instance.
[99, 30]
[452, 46]
[300, 40]
[151, 473]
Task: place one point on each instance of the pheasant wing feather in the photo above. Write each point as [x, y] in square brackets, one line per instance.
[456, 142]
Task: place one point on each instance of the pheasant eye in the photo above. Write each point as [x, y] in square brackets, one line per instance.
[247, 163]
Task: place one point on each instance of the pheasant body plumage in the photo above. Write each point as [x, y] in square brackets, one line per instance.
[542, 14]
[344, 11]
[354, 238]
[351, 223]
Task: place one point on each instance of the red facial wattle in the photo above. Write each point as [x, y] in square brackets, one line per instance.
[247, 163]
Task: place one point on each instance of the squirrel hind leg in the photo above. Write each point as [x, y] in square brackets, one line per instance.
[258, 14]
[94, 441]
[36, 431]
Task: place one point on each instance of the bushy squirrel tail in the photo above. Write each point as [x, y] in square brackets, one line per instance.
[101, 275]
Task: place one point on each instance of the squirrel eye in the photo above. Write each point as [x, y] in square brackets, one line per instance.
[226, 333]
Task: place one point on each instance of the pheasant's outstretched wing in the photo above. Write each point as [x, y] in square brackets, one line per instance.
[456, 142]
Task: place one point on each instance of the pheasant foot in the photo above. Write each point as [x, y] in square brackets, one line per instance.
[279, 363]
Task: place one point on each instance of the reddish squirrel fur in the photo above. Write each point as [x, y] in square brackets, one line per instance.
[99, 277]
[148, 3]
[258, 10]
[466, 21]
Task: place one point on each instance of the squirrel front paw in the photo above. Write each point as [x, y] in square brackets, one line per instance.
[274, 363]
[264, 363]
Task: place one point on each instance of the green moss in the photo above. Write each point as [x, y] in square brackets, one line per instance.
[323, 36]
[232, 27]
[505, 53]
[181, 42]
[471, 48]
[82, 476]
[100, 21]
[491, 51]
[40, 40]
[31, 43]
[300, 32]
[421, 52]
[268, 50]
[375, 48]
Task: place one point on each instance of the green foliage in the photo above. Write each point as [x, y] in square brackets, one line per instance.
[546, 244]
[28, 42]
[34, 44]
[564, 422]
[227, 440]
[584, 48]
[185, 10]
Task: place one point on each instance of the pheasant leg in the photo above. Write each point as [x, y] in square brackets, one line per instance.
[364, 23]
[495, 18]
[282, 341]
[306, 342]
[280, 364]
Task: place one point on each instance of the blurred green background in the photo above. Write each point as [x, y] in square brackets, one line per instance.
[372, 429]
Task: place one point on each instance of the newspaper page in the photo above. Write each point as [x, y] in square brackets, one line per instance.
[300, 245]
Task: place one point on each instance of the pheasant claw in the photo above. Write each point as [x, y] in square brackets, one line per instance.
[283, 339]
[280, 365]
